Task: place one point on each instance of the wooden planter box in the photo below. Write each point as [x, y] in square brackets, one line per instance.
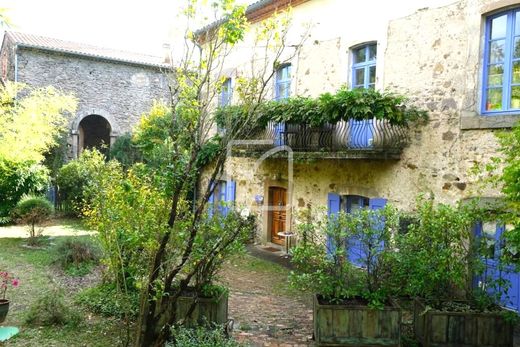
[346, 325]
[462, 329]
[206, 311]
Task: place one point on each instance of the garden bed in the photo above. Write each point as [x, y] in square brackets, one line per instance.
[355, 324]
[448, 327]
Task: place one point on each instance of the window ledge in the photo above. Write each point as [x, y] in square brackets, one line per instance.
[471, 120]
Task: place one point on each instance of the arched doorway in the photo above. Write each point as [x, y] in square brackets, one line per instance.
[94, 132]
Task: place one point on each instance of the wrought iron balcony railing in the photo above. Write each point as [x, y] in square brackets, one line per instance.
[362, 139]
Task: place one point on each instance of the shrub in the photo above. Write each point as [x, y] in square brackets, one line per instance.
[18, 179]
[51, 309]
[435, 260]
[106, 300]
[124, 151]
[324, 259]
[76, 178]
[201, 337]
[33, 210]
[77, 256]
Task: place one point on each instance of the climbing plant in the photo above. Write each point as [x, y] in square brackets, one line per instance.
[345, 104]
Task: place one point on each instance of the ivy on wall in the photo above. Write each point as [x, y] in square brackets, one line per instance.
[345, 104]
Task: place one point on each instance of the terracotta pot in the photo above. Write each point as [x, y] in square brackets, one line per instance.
[4, 308]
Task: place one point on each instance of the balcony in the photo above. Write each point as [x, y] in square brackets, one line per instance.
[351, 139]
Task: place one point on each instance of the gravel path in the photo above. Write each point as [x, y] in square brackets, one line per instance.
[266, 312]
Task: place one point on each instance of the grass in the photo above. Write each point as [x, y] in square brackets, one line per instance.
[37, 272]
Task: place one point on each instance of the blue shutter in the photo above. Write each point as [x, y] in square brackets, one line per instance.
[356, 253]
[376, 203]
[333, 204]
[230, 196]
[211, 200]
[279, 132]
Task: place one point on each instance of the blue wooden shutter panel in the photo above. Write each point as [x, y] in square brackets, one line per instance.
[230, 196]
[333, 210]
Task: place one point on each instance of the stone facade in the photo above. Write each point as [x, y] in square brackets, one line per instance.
[118, 91]
[434, 56]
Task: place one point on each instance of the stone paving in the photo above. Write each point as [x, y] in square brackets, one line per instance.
[265, 311]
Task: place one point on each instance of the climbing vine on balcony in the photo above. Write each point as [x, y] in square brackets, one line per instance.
[345, 104]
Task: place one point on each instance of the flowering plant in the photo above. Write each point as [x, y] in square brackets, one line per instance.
[7, 279]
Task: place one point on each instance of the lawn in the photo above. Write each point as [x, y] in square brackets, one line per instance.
[38, 274]
[262, 304]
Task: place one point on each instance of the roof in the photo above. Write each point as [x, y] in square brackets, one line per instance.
[75, 48]
[257, 11]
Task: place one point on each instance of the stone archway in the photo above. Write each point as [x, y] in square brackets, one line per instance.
[94, 132]
[96, 129]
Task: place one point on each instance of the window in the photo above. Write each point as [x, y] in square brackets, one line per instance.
[501, 82]
[282, 87]
[351, 204]
[364, 66]
[222, 198]
[225, 93]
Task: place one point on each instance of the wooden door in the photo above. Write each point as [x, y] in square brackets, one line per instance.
[277, 213]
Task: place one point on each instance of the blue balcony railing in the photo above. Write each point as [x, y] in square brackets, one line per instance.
[370, 135]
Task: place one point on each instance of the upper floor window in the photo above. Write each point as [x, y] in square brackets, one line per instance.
[364, 66]
[501, 92]
[225, 93]
[282, 87]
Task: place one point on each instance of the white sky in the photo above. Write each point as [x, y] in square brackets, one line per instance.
[133, 25]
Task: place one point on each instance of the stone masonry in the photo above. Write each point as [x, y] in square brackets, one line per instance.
[119, 90]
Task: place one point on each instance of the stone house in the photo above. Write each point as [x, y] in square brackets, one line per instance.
[114, 88]
[456, 59]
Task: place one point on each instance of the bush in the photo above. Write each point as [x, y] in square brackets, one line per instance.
[106, 300]
[51, 309]
[345, 256]
[32, 210]
[124, 151]
[77, 256]
[18, 179]
[201, 337]
[75, 179]
[435, 260]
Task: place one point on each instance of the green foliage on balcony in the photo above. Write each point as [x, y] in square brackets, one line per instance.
[345, 104]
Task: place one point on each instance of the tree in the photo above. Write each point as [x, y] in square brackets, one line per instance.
[179, 255]
[31, 120]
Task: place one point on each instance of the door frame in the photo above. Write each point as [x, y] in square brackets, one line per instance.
[266, 226]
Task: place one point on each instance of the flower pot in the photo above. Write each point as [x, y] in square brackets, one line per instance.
[464, 329]
[4, 308]
[356, 324]
[206, 311]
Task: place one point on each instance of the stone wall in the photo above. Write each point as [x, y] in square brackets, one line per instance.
[434, 57]
[119, 92]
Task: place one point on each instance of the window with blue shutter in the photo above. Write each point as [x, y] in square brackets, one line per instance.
[363, 76]
[364, 66]
[282, 87]
[282, 91]
[351, 204]
[492, 242]
[226, 93]
[501, 82]
[222, 198]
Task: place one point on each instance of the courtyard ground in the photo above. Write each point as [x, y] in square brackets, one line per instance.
[265, 310]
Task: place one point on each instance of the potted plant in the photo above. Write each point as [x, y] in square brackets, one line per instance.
[6, 280]
[436, 263]
[343, 261]
[204, 301]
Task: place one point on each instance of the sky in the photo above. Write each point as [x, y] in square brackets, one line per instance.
[132, 25]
